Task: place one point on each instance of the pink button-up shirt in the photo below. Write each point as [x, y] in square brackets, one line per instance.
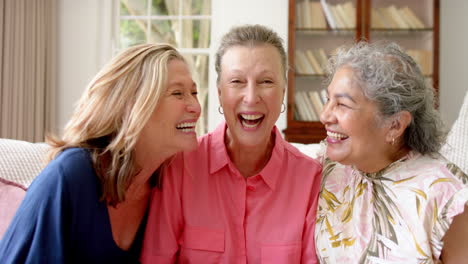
[207, 212]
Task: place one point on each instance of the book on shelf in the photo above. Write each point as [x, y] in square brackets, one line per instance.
[321, 58]
[310, 106]
[306, 15]
[299, 16]
[376, 19]
[302, 63]
[314, 62]
[344, 16]
[318, 17]
[304, 107]
[389, 21]
[336, 16]
[309, 14]
[397, 16]
[328, 15]
[350, 11]
[415, 21]
[394, 17]
[423, 58]
[317, 103]
[300, 107]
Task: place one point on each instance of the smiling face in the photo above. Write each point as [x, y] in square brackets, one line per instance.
[251, 89]
[173, 121]
[356, 136]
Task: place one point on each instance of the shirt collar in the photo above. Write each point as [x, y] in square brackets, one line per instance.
[220, 158]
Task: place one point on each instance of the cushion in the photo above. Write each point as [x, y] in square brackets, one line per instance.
[456, 147]
[21, 161]
[310, 150]
[11, 195]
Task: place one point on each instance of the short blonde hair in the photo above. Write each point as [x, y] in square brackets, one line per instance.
[112, 112]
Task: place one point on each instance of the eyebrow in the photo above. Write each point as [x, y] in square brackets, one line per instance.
[345, 95]
[179, 83]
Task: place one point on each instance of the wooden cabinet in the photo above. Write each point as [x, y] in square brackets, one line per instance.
[318, 27]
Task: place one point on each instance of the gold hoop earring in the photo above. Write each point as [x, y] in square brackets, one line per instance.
[283, 108]
[220, 110]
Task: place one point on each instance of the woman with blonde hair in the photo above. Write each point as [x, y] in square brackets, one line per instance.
[89, 204]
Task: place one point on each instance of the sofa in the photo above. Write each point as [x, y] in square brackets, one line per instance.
[21, 161]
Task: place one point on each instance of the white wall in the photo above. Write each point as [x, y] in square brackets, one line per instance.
[85, 44]
[453, 57]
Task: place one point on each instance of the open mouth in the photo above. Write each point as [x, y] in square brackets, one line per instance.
[251, 121]
[186, 127]
[336, 136]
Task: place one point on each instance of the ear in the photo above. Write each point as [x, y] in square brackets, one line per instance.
[399, 122]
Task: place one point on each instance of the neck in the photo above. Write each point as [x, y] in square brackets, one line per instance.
[250, 160]
[147, 161]
[394, 154]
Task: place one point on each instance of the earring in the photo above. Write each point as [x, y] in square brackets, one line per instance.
[283, 108]
[393, 141]
[220, 110]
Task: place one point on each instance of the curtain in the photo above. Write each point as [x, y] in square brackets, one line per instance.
[27, 68]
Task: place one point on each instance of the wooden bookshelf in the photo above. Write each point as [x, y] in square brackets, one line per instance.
[412, 24]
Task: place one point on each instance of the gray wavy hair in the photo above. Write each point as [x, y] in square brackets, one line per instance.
[250, 35]
[392, 79]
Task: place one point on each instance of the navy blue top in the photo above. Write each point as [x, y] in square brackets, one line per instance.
[62, 220]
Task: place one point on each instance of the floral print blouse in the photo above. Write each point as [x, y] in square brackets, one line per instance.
[397, 215]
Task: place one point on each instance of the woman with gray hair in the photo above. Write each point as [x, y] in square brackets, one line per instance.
[387, 196]
[245, 195]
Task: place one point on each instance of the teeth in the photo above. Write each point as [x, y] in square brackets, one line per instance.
[251, 117]
[188, 130]
[244, 123]
[335, 135]
[187, 125]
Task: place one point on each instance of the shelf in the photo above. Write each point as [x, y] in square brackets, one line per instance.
[307, 36]
[322, 32]
[312, 76]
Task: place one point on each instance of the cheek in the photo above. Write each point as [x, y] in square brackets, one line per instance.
[274, 98]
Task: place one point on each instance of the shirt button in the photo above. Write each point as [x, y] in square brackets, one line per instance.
[250, 188]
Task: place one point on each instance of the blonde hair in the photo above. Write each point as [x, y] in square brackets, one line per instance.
[112, 112]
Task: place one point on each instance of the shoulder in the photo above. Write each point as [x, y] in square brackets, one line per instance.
[435, 168]
[297, 158]
[69, 167]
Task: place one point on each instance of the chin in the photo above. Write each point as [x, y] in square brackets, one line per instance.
[336, 156]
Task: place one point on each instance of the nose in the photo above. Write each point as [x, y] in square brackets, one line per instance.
[327, 116]
[251, 95]
[193, 106]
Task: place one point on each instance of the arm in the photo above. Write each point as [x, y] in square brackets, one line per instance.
[165, 219]
[35, 234]
[309, 255]
[456, 240]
